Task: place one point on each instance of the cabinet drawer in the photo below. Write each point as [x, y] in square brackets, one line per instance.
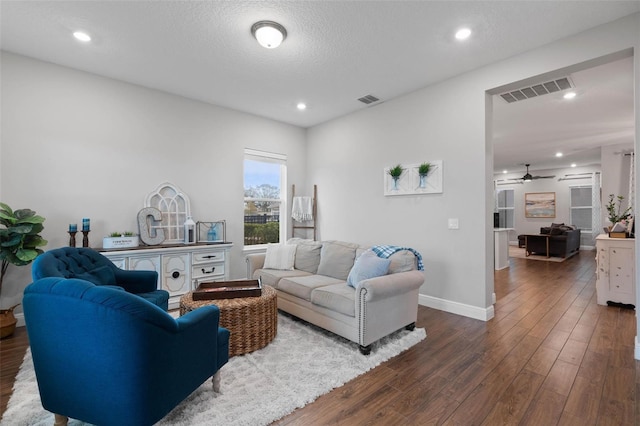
[209, 270]
[208, 257]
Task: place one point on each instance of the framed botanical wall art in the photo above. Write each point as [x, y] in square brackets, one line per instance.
[540, 204]
[411, 182]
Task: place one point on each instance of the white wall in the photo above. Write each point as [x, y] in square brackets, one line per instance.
[449, 121]
[615, 175]
[78, 145]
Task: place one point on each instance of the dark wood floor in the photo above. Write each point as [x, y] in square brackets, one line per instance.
[550, 356]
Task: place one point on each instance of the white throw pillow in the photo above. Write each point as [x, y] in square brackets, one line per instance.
[280, 256]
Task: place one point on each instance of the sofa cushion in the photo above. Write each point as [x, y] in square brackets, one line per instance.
[272, 277]
[402, 261]
[280, 256]
[368, 265]
[99, 276]
[307, 254]
[336, 259]
[556, 230]
[303, 286]
[337, 297]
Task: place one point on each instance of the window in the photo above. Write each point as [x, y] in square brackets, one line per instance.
[264, 197]
[581, 207]
[505, 208]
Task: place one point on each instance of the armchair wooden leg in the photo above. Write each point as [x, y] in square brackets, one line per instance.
[216, 382]
[60, 420]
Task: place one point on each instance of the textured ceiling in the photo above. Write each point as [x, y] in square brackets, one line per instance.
[335, 52]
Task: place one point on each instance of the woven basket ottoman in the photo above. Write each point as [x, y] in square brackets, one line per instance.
[252, 321]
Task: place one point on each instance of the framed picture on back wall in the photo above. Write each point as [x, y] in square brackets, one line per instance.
[540, 204]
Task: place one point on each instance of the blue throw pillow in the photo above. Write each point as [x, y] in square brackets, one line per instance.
[368, 265]
[99, 276]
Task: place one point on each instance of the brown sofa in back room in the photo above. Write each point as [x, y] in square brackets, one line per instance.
[563, 242]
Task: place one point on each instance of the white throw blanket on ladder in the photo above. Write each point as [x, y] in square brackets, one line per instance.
[302, 209]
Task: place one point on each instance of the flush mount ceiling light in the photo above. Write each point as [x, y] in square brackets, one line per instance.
[569, 95]
[463, 33]
[268, 33]
[302, 106]
[82, 36]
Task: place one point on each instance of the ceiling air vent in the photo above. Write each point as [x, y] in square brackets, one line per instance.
[537, 90]
[368, 99]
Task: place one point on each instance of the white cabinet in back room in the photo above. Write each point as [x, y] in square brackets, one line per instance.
[615, 270]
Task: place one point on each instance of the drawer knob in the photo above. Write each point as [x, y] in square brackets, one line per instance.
[175, 274]
[204, 271]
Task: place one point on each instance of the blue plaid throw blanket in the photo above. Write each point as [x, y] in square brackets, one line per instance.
[386, 251]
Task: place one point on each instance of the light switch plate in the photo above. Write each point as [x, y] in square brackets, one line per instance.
[453, 223]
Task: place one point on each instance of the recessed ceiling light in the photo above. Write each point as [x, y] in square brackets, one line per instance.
[463, 33]
[558, 154]
[573, 164]
[569, 95]
[505, 171]
[82, 36]
[302, 106]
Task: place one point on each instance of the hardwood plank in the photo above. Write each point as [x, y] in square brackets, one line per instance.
[545, 409]
[511, 407]
[573, 352]
[583, 401]
[561, 377]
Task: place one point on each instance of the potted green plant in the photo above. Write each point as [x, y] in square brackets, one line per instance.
[395, 173]
[614, 207]
[120, 240]
[423, 171]
[21, 242]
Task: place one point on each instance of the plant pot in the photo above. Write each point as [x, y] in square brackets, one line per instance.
[7, 322]
[120, 242]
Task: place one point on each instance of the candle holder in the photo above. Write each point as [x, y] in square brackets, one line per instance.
[85, 238]
[72, 238]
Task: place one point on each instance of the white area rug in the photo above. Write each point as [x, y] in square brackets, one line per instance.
[300, 364]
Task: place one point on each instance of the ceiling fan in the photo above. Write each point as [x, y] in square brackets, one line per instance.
[528, 177]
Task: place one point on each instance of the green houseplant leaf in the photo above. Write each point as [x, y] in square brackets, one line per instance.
[20, 237]
[396, 171]
[423, 169]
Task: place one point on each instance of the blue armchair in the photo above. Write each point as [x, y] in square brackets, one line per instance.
[108, 357]
[88, 264]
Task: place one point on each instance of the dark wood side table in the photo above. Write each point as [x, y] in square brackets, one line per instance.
[533, 237]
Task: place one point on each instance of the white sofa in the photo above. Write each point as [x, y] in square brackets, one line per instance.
[316, 290]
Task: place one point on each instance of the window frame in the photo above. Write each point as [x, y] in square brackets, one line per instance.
[268, 157]
[507, 208]
[572, 208]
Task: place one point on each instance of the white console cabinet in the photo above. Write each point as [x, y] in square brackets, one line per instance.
[615, 270]
[180, 268]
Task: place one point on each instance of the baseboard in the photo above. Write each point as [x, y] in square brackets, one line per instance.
[636, 354]
[483, 314]
[20, 318]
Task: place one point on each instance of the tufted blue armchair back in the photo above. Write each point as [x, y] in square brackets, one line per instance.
[89, 265]
[107, 357]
